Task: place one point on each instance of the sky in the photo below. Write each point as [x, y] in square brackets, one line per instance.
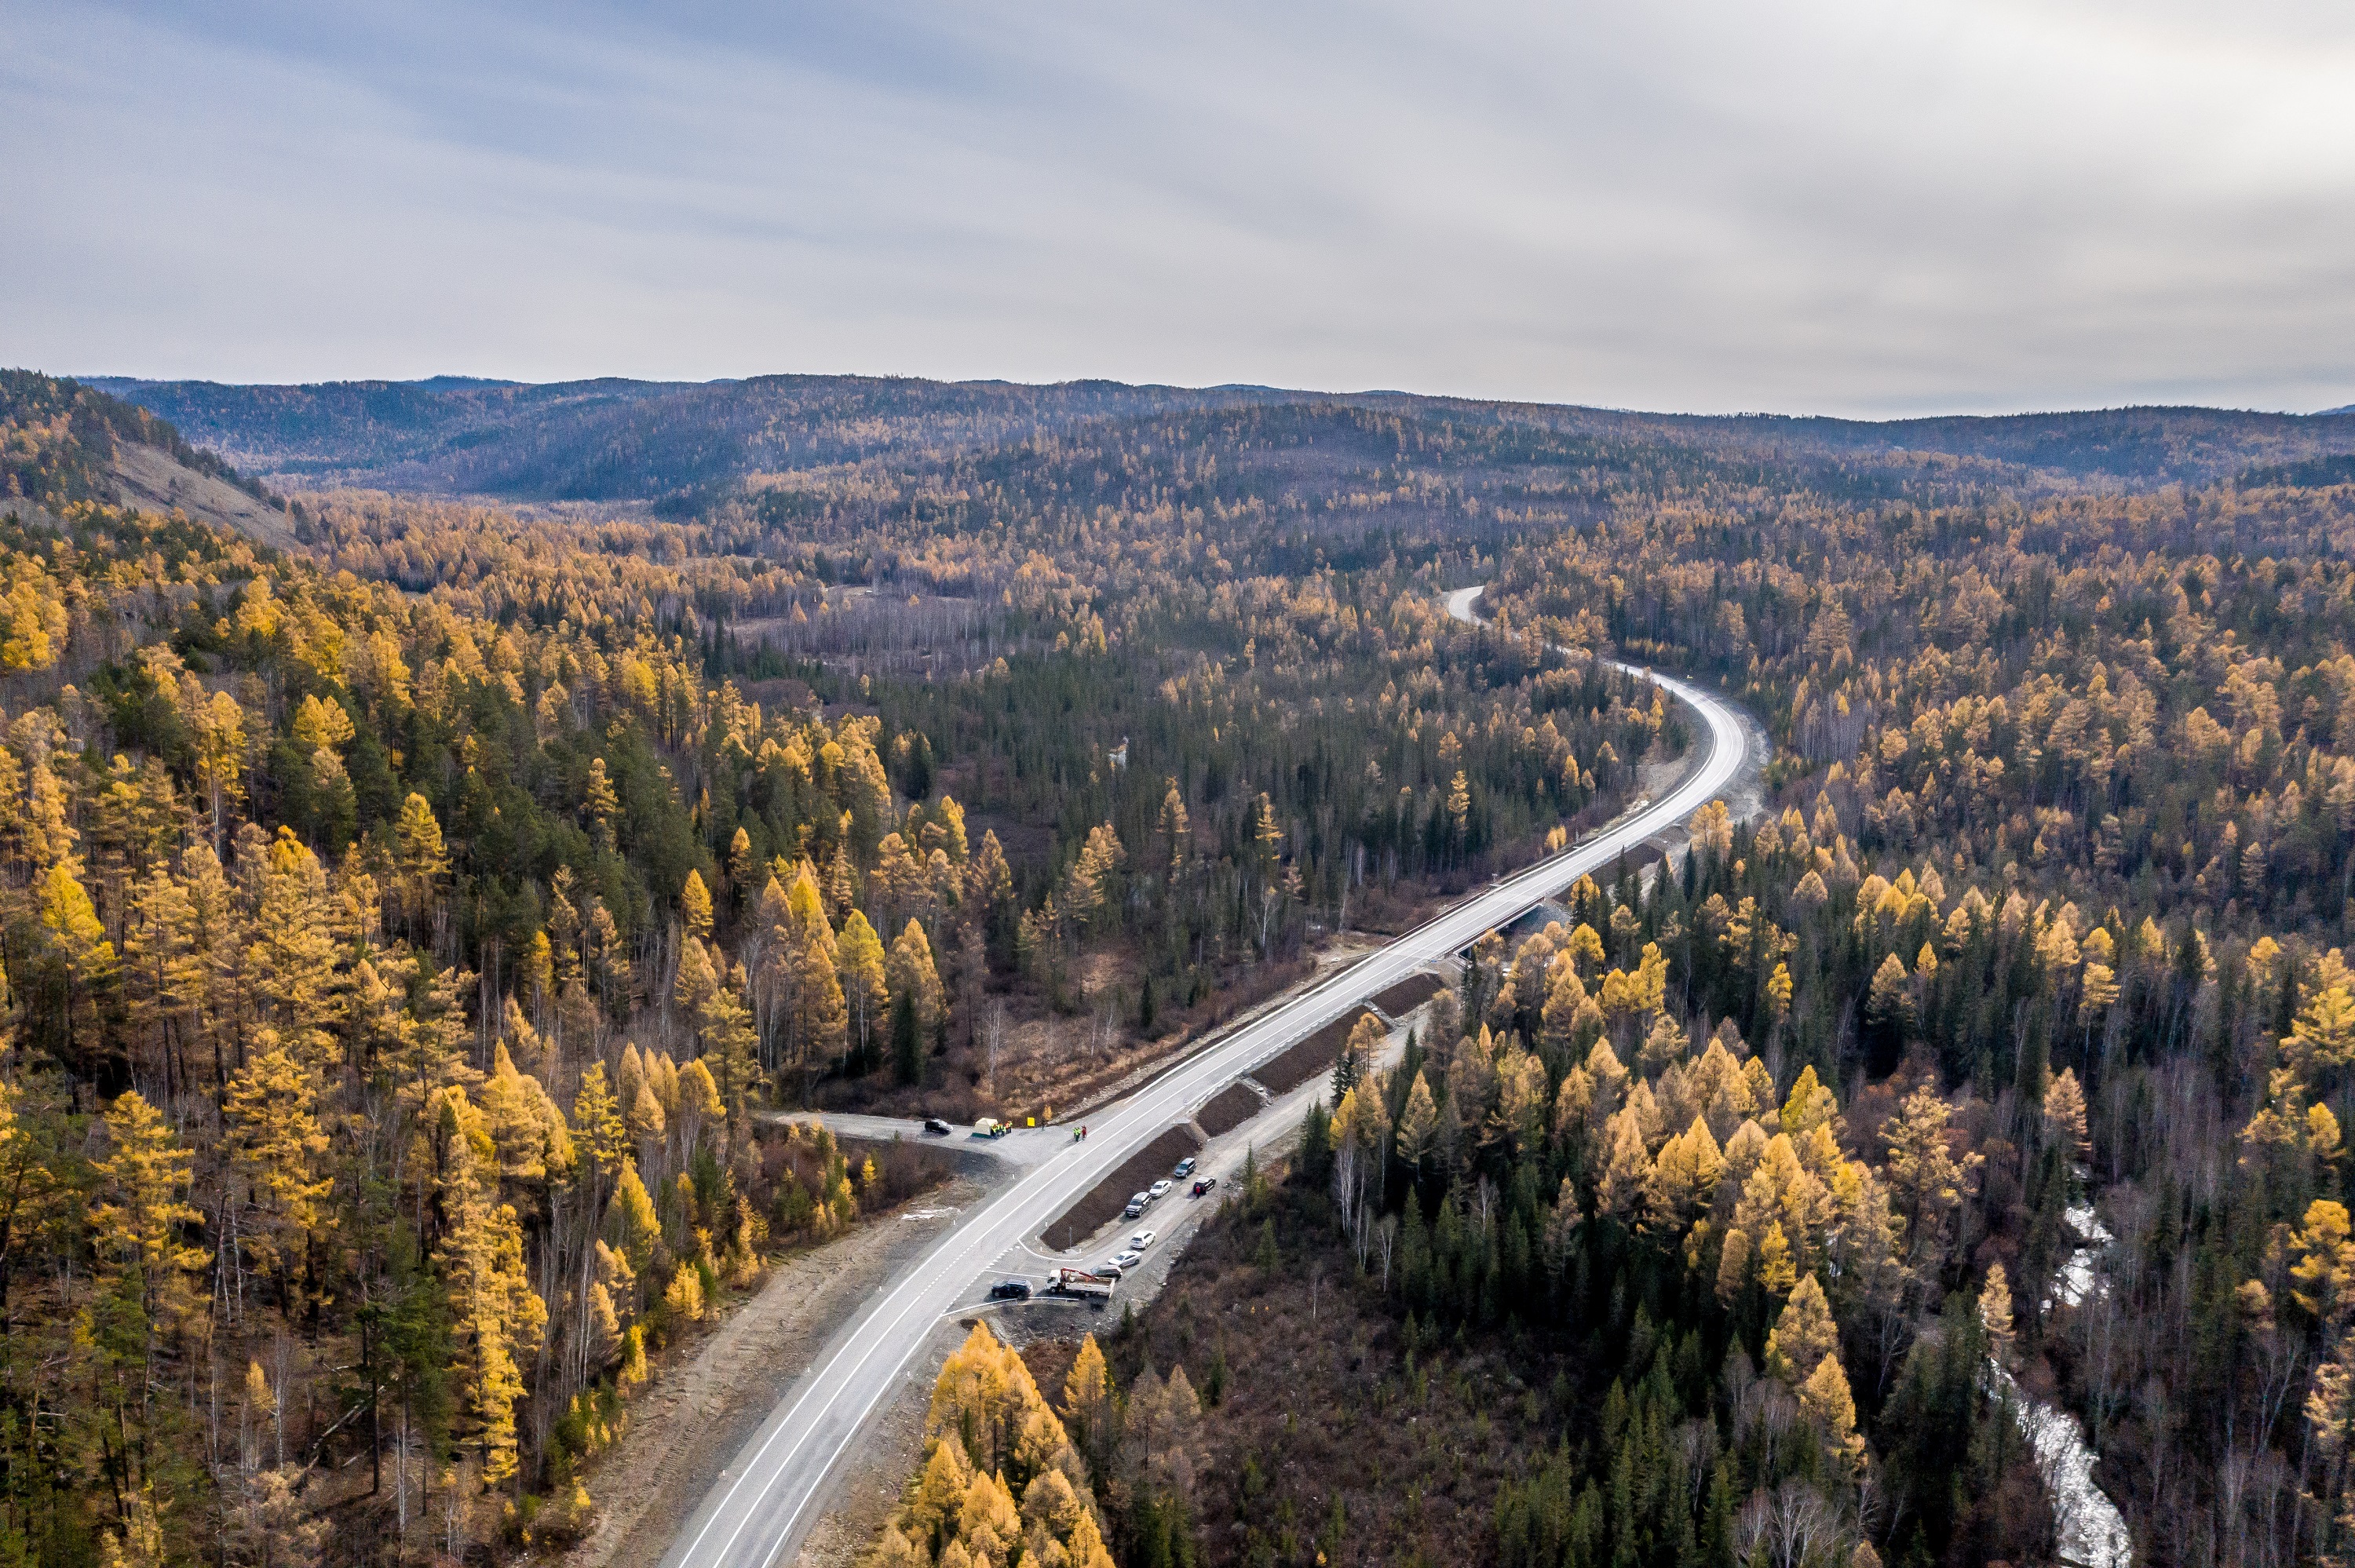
[1846, 206]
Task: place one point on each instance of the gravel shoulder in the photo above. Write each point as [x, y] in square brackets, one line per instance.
[868, 1488]
[695, 1419]
[695, 1422]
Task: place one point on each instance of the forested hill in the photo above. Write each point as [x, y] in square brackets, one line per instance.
[610, 439]
[66, 439]
[401, 927]
[64, 445]
[617, 440]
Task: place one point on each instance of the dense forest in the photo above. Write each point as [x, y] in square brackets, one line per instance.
[2065, 791]
[406, 935]
[2000, 1064]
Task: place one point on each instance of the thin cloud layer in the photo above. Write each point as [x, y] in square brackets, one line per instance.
[1832, 206]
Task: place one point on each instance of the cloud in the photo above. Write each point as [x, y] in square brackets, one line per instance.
[1825, 207]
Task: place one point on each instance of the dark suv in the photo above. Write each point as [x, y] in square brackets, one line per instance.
[1010, 1290]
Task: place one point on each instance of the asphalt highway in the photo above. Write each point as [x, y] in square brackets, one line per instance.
[766, 1499]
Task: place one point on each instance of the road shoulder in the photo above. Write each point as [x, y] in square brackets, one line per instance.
[693, 1422]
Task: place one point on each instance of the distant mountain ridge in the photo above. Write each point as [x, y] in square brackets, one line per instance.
[617, 440]
[612, 438]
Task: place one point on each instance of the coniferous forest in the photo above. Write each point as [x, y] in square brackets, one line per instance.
[413, 906]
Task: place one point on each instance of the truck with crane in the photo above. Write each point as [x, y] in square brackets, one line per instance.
[1077, 1284]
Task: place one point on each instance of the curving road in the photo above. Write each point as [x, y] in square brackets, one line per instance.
[766, 1499]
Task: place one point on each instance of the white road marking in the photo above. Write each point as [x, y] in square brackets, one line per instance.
[764, 1503]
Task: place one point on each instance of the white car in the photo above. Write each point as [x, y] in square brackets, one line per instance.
[1160, 1189]
[1143, 1239]
[1126, 1260]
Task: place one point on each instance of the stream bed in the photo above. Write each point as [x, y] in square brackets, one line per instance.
[2088, 1530]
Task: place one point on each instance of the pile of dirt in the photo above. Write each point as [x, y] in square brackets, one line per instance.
[1111, 1195]
[1313, 1056]
[1229, 1110]
[1397, 1001]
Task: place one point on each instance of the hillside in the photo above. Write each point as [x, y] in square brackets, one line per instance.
[62, 444]
[399, 932]
[614, 440]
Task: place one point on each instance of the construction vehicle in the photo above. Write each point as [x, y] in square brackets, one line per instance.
[1080, 1284]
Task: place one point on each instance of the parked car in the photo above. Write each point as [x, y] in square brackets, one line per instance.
[935, 1127]
[1185, 1168]
[1204, 1185]
[1126, 1260]
[1143, 1239]
[1160, 1189]
[1136, 1205]
[1010, 1290]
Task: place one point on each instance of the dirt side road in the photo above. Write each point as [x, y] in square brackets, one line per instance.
[687, 1426]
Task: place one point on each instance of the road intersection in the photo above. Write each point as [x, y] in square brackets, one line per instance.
[768, 1497]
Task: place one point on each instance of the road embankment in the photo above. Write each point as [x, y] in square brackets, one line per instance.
[1105, 1199]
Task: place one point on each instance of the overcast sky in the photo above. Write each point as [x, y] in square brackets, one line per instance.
[1870, 207]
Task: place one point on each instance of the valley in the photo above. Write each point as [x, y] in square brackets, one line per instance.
[489, 872]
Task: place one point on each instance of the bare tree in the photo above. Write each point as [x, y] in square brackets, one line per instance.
[992, 1035]
[1794, 1524]
[1347, 1187]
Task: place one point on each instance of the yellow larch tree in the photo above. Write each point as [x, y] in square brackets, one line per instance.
[1803, 1335]
[138, 1226]
[909, 973]
[497, 1317]
[865, 991]
[272, 1138]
